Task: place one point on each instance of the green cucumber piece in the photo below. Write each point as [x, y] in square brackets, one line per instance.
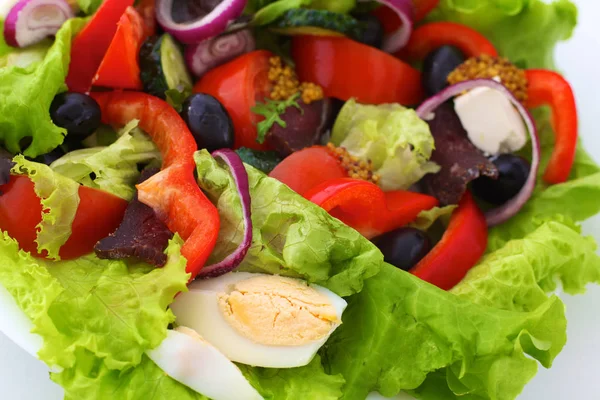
[163, 67]
[304, 18]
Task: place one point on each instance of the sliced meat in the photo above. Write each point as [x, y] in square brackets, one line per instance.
[140, 236]
[460, 161]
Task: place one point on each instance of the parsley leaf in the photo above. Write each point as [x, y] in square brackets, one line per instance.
[176, 96]
[272, 111]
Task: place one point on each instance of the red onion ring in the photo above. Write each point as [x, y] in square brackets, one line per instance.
[206, 27]
[240, 177]
[210, 53]
[394, 41]
[31, 21]
[509, 209]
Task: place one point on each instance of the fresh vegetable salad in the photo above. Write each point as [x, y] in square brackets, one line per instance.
[291, 199]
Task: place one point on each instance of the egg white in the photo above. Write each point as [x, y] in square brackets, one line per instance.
[199, 309]
[201, 367]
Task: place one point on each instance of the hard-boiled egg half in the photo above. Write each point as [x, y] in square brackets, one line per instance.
[186, 357]
[261, 320]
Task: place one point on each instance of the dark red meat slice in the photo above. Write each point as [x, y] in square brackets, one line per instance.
[460, 161]
[140, 236]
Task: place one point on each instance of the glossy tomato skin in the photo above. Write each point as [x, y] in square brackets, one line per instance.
[238, 85]
[346, 69]
[308, 168]
[99, 214]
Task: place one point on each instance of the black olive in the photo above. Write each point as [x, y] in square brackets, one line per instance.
[372, 30]
[437, 66]
[78, 113]
[403, 247]
[513, 172]
[208, 121]
[50, 157]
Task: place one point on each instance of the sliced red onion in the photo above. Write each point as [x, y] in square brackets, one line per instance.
[31, 21]
[211, 24]
[394, 41]
[509, 209]
[240, 177]
[213, 52]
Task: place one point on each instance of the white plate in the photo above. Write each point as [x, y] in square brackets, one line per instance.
[575, 371]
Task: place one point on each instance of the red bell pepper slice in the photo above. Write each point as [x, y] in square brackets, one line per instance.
[461, 246]
[173, 193]
[98, 214]
[429, 37]
[366, 208]
[306, 168]
[238, 85]
[550, 88]
[347, 69]
[91, 44]
[120, 68]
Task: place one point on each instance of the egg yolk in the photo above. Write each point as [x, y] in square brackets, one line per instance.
[275, 310]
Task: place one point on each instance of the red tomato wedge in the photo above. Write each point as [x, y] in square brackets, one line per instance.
[307, 168]
[238, 85]
[120, 68]
[98, 214]
[346, 69]
[91, 44]
[172, 193]
[147, 10]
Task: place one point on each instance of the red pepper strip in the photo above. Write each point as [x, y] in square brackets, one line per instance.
[462, 245]
[549, 88]
[173, 193]
[430, 36]
[366, 208]
[120, 68]
[147, 9]
[91, 44]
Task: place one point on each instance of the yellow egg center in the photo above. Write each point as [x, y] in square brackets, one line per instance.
[274, 310]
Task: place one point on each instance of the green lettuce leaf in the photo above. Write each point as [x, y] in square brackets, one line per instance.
[59, 197]
[114, 167]
[394, 138]
[146, 381]
[291, 236]
[27, 93]
[427, 218]
[107, 307]
[525, 31]
[308, 382]
[399, 330]
[89, 6]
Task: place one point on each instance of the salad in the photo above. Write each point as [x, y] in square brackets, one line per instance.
[290, 199]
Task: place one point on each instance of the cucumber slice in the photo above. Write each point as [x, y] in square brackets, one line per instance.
[322, 22]
[162, 66]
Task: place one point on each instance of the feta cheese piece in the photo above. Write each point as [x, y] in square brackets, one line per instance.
[492, 123]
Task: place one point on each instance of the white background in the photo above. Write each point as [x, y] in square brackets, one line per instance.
[576, 371]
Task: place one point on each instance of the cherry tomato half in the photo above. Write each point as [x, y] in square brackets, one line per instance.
[238, 85]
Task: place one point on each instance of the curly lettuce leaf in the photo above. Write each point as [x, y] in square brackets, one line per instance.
[114, 310]
[308, 382]
[525, 31]
[403, 329]
[113, 168]
[59, 197]
[146, 381]
[291, 235]
[27, 93]
[89, 6]
[394, 138]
